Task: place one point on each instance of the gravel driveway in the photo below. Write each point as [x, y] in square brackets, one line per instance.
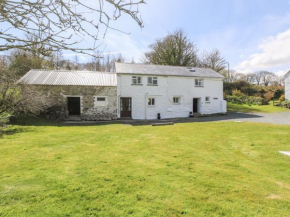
[282, 118]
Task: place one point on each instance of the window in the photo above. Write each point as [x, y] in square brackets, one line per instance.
[199, 82]
[152, 81]
[136, 80]
[176, 100]
[151, 101]
[101, 101]
[207, 99]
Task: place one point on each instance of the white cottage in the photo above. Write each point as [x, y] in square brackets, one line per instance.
[287, 86]
[146, 90]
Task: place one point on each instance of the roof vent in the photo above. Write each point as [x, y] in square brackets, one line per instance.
[191, 69]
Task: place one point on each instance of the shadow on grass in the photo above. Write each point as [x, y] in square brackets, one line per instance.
[36, 121]
[8, 130]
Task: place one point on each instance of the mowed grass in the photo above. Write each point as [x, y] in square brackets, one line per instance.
[232, 107]
[191, 169]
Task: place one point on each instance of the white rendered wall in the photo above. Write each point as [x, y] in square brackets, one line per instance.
[287, 86]
[168, 87]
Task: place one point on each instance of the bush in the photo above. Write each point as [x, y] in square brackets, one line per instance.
[286, 104]
[235, 99]
[248, 100]
[268, 95]
[282, 98]
[238, 93]
[256, 100]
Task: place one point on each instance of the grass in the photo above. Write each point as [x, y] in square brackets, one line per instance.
[255, 108]
[192, 169]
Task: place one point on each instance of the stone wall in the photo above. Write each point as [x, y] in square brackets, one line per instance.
[57, 96]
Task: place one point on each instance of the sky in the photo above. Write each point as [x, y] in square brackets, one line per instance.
[252, 35]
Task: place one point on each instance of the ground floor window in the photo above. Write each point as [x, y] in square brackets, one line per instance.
[207, 99]
[101, 101]
[176, 100]
[151, 101]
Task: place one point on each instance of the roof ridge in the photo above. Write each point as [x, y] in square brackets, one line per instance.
[84, 71]
[144, 64]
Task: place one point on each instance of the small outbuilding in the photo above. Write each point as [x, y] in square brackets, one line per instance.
[76, 95]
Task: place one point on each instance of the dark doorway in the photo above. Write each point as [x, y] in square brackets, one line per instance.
[126, 105]
[74, 105]
[195, 105]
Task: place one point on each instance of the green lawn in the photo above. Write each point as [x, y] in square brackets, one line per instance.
[191, 169]
[255, 108]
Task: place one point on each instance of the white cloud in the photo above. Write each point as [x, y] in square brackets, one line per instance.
[125, 44]
[274, 53]
[281, 73]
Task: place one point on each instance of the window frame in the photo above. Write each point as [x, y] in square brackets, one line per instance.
[153, 78]
[150, 100]
[102, 104]
[137, 79]
[199, 81]
[179, 100]
[207, 101]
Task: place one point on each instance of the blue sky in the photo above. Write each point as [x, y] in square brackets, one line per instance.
[251, 34]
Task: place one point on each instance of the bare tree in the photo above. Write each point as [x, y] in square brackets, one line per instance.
[175, 49]
[250, 78]
[103, 62]
[258, 77]
[61, 24]
[267, 77]
[213, 60]
[4, 61]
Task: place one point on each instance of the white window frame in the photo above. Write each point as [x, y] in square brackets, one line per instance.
[174, 101]
[153, 82]
[151, 101]
[136, 80]
[198, 82]
[207, 101]
[101, 104]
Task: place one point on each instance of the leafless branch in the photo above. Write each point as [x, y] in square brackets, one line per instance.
[61, 24]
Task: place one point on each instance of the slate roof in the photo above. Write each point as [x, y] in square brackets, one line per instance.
[70, 78]
[162, 70]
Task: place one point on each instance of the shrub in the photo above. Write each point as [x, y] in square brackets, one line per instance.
[249, 100]
[282, 98]
[278, 93]
[256, 100]
[268, 95]
[235, 99]
[286, 104]
[238, 93]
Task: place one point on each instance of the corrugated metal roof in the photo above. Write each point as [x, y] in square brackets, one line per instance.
[145, 69]
[63, 77]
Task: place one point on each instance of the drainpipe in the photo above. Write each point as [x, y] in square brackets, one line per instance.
[146, 106]
[119, 106]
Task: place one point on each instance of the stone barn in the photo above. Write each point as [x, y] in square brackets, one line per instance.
[76, 95]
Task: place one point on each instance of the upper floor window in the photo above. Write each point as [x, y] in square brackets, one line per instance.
[199, 82]
[136, 80]
[152, 81]
[151, 101]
